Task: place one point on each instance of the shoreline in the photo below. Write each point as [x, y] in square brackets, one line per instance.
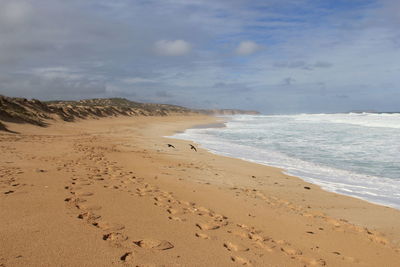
[324, 185]
[233, 211]
[280, 169]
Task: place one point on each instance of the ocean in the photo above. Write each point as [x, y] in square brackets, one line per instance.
[355, 154]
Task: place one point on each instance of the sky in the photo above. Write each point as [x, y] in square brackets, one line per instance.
[274, 56]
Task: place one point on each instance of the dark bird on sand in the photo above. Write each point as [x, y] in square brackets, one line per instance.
[169, 145]
[192, 147]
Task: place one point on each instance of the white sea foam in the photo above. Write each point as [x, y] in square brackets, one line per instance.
[351, 154]
[386, 120]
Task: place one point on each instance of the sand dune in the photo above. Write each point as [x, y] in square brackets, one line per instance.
[111, 192]
[35, 112]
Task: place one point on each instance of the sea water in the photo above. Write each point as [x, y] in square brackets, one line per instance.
[355, 154]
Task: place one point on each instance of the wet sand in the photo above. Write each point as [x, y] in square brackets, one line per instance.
[111, 192]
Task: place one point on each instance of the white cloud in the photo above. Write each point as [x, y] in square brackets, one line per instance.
[51, 73]
[172, 48]
[247, 48]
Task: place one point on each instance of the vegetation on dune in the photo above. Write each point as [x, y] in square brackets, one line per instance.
[22, 110]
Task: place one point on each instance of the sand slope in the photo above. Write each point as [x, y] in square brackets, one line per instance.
[111, 192]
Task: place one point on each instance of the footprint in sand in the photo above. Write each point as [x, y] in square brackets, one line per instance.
[175, 211]
[235, 247]
[187, 203]
[311, 261]
[154, 244]
[219, 217]
[74, 201]
[176, 219]
[351, 259]
[266, 247]
[207, 226]
[140, 194]
[203, 210]
[84, 183]
[128, 256]
[376, 237]
[115, 237]
[291, 251]
[83, 194]
[241, 260]
[73, 188]
[241, 234]
[243, 226]
[203, 236]
[89, 217]
[109, 226]
[256, 237]
[88, 207]
[160, 204]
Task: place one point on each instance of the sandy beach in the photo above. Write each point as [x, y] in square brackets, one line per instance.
[111, 192]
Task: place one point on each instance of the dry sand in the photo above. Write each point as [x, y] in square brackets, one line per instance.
[111, 192]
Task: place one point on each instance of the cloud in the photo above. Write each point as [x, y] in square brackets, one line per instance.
[247, 48]
[60, 72]
[133, 80]
[55, 87]
[300, 64]
[196, 51]
[172, 48]
[342, 96]
[232, 87]
[291, 64]
[53, 83]
[288, 81]
[323, 64]
[163, 94]
[15, 12]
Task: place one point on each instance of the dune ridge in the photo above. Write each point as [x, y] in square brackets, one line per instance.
[36, 112]
[22, 110]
